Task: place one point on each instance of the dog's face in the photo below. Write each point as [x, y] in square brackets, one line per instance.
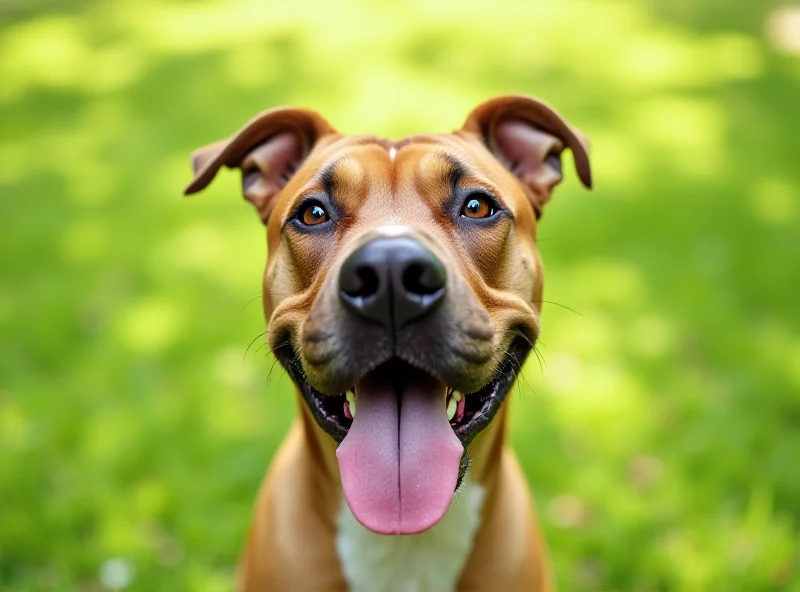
[403, 284]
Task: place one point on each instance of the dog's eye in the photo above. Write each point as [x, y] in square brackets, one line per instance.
[313, 214]
[478, 205]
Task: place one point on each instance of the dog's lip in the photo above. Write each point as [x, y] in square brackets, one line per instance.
[485, 401]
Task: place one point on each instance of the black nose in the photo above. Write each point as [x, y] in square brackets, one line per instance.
[392, 281]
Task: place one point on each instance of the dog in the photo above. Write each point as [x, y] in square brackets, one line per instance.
[403, 292]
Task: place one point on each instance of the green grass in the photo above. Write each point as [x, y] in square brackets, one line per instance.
[661, 436]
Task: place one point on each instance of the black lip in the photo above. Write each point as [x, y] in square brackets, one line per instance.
[483, 404]
[496, 390]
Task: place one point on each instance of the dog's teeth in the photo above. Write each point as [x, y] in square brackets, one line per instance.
[451, 409]
[351, 402]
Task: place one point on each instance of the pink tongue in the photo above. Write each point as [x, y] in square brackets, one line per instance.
[399, 462]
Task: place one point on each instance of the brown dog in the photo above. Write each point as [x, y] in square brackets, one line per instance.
[403, 291]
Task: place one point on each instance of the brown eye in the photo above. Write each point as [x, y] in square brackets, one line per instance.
[477, 206]
[313, 214]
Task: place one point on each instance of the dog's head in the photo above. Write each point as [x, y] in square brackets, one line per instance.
[403, 284]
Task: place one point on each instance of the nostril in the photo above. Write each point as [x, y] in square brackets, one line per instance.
[364, 284]
[391, 281]
[422, 279]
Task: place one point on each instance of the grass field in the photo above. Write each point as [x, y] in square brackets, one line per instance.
[661, 435]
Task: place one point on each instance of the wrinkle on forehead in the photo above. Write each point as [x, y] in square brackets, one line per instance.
[437, 174]
[423, 179]
[433, 177]
[350, 180]
[349, 173]
[375, 179]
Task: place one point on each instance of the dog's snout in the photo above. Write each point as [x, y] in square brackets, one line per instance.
[392, 281]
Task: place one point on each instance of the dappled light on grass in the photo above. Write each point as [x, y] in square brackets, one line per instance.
[659, 432]
[151, 325]
[689, 133]
[783, 28]
[56, 52]
[775, 201]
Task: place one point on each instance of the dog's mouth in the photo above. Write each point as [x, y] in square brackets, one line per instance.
[403, 436]
[468, 414]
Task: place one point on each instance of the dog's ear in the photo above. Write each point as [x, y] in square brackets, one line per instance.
[268, 150]
[527, 136]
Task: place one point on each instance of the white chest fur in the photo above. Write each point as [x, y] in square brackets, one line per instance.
[427, 562]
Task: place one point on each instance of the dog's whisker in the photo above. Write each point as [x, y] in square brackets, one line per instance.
[521, 380]
[294, 361]
[259, 336]
[541, 361]
[269, 375]
[279, 346]
[251, 301]
[271, 352]
[260, 347]
[557, 304]
[518, 333]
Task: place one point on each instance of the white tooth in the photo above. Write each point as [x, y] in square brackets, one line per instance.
[451, 409]
[457, 396]
[351, 400]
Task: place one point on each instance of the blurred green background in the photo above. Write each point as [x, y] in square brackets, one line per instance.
[661, 433]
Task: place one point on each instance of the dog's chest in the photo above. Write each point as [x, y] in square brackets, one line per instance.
[427, 562]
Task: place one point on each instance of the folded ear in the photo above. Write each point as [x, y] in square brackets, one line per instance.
[268, 150]
[528, 136]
